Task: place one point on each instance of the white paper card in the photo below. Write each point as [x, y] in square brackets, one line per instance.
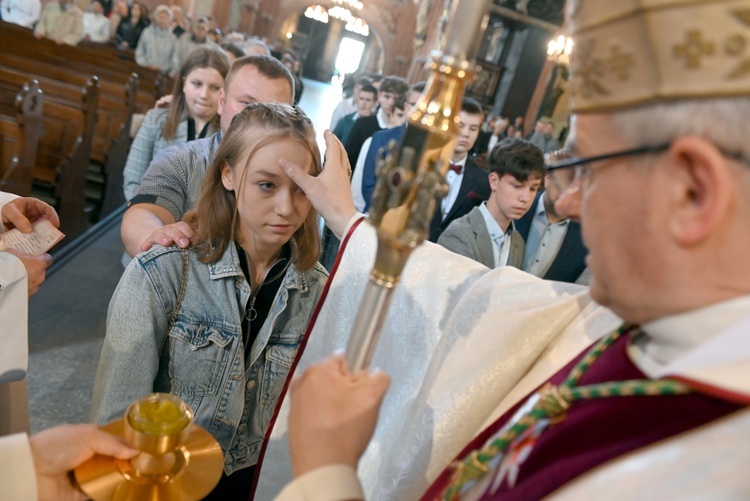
[39, 241]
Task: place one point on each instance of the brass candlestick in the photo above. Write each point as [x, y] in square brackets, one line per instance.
[411, 179]
[180, 461]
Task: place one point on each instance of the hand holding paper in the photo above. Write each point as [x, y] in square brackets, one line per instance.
[33, 232]
[22, 212]
[42, 238]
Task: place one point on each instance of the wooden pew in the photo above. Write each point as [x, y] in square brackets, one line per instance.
[111, 139]
[117, 154]
[162, 84]
[19, 137]
[63, 151]
[120, 94]
[108, 63]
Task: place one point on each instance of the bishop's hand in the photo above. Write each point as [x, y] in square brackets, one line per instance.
[333, 414]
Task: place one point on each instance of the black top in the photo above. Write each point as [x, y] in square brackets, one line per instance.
[129, 32]
[261, 297]
[474, 189]
[363, 128]
[191, 130]
[298, 88]
[570, 260]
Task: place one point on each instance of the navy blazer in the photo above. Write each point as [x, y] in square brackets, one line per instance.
[475, 189]
[363, 128]
[379, 140]
[570, 260]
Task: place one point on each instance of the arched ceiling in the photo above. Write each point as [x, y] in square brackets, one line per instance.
[393, 20]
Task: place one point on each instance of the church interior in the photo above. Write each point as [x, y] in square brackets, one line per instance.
[518, 78]
[382, 178]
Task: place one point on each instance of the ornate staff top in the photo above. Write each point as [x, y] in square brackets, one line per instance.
[411, 179]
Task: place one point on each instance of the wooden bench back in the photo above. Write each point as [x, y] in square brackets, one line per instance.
[64, 149]
[123, 88]
[19, 137]
[111, 139]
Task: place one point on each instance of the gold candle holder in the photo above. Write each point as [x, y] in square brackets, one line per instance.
[179, 460]
[411, 181]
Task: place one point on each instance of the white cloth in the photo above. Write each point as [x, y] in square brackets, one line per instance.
[356, 184]
[451, 389]
[443, 319]
[672, 339]
[96, 26]
[708, 463]
[491, 143]
[17, 475]
[14, 303]
[336, 482]
[22, 12]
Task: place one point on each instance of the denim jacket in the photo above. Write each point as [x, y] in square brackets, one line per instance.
[202, 360]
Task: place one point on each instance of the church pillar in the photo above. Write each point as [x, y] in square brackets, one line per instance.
[220, 12]
[524, 68]
[248, 17]
[539, 94]
[325, 70]
[427, 36]
[202, 8]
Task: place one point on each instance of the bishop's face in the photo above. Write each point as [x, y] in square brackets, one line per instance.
[618, 204]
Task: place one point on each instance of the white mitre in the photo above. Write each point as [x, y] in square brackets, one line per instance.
[630, 52]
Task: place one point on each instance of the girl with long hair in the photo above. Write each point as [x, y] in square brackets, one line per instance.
[219, 324]
[192, 114]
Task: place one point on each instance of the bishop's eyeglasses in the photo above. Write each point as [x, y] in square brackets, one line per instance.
[565, 168]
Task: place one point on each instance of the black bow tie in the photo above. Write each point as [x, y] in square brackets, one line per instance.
[457, 168]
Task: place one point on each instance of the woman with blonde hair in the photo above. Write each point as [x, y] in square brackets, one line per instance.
[192, 114]
[219, 324]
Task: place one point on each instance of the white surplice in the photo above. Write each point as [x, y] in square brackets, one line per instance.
[449, 313]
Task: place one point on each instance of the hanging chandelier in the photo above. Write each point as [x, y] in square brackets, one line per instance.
[351, 22]
[559, 49]
[351, 4]
[317, 12]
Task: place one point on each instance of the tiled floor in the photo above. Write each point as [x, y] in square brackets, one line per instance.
[66, 327]
[67, 317]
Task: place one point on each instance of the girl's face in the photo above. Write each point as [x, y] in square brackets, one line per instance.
[201, 88]
[270, 206]
[135, 11]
